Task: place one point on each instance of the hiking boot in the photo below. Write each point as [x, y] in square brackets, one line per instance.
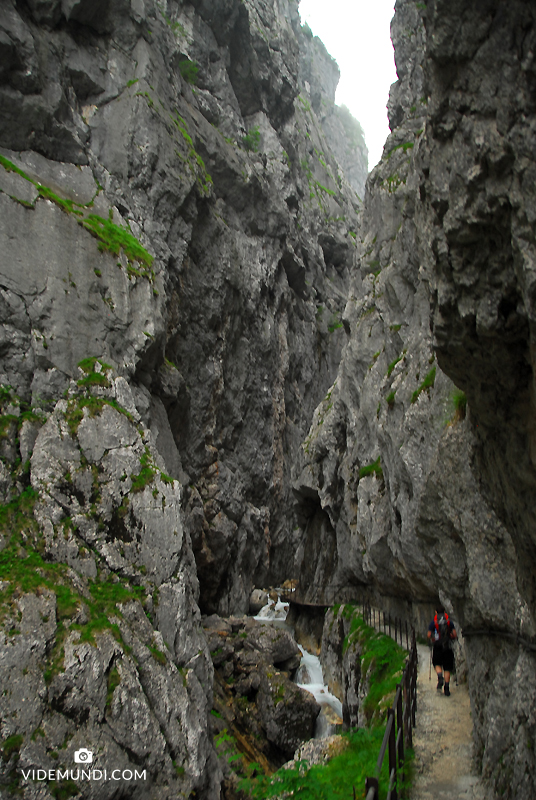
[447, 690]
[440, 683]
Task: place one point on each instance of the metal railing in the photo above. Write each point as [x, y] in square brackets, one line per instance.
[399, 730]
[394, 627]
[325, 597]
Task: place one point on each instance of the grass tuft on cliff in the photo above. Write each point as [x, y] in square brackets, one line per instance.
[115, 238]
[427, 383]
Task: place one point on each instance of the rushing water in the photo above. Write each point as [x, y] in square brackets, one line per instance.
[272, 611]
[310, 678]
[309, 675]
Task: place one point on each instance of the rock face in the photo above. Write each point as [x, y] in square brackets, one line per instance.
[199, 129]
[401, 489]
[177, 237]
[259, 711]
[102, 649]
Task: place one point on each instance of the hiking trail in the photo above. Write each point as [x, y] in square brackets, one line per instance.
[442, 740]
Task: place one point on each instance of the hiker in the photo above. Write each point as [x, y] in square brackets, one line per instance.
[441, 632]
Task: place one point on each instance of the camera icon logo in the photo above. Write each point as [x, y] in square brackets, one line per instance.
[83, 756]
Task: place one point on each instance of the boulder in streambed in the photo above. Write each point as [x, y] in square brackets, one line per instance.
[257, 600]
[264, 713]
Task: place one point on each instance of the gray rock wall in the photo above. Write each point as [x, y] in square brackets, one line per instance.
[414, 498]
[192, 126]
[175, 219]
[477, 200]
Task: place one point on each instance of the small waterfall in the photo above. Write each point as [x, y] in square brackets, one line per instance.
[309, 675]
[273, 610]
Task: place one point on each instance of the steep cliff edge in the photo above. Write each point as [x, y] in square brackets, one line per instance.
[177, 236]
[402, 492]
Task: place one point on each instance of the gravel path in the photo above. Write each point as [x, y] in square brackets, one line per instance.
[442, 741]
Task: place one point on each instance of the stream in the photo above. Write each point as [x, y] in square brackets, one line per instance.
[309, 675]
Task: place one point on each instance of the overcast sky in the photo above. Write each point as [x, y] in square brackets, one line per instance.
[356, 34]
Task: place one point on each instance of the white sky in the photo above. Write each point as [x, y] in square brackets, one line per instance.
[356, 34]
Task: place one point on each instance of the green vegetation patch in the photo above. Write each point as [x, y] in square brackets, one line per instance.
[427, 383]
[69, 206]
[24, 568]
[92, 377]
[105, 597]
[189, 70]
[175, 26]
[115, 238]
[64, 789]
[334, 322]
[405, 146]
[252, 140]
[335, 779]
[393, 364]
[382, 663]
[75, 409]
[394, 181]
[158, 655]
[146, 474]
[12, 745]
[372, 469]
[459, 403]
[195, 162]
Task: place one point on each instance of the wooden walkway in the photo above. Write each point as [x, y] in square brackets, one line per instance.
[442, 741]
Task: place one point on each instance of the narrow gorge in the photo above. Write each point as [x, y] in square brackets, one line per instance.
[229, 358]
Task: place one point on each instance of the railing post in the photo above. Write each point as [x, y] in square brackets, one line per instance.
[392, 753]
[414, 679]
[372, 783]
[400, 731]
[407, 703]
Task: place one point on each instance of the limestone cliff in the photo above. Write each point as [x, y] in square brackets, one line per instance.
[403, 490]
[177, 237]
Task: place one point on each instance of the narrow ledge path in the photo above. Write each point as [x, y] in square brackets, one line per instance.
[442, 740]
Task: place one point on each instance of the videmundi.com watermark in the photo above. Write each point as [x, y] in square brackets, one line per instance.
[83, 771]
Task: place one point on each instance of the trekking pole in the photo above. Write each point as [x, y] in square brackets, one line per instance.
[430, 666]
